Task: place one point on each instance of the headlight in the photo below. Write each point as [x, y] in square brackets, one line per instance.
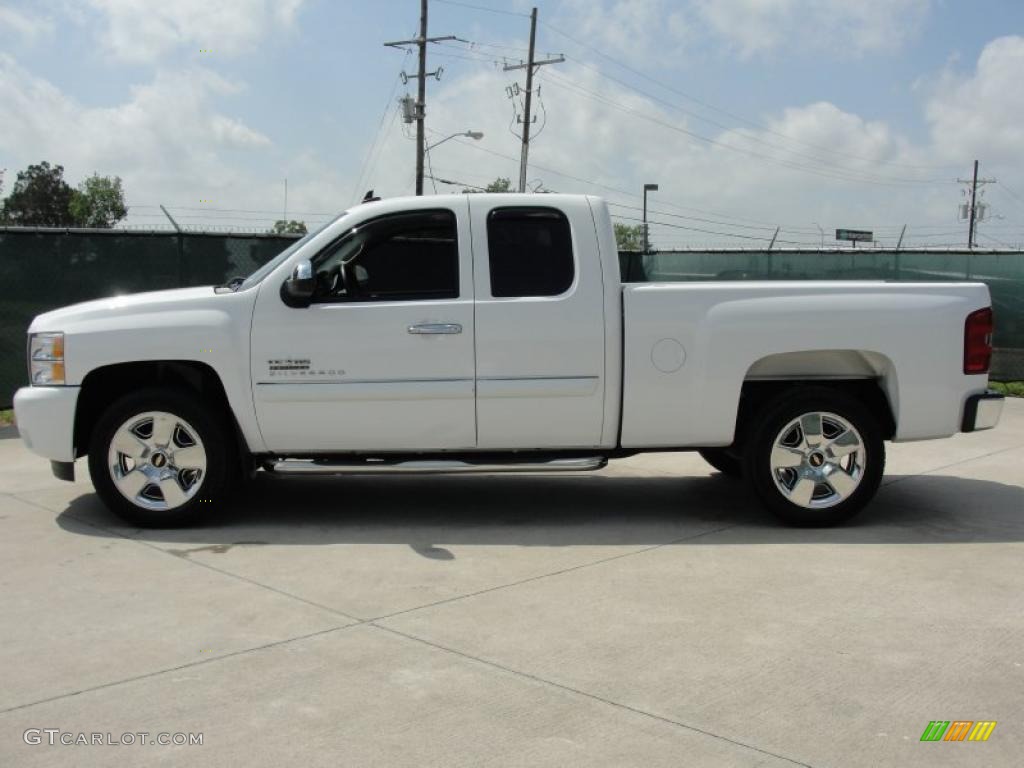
[46, 358]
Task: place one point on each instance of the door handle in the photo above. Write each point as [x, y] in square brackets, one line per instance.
[435, 328]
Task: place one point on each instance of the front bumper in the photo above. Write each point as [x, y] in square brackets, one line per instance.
[46, 420]
[982, 411]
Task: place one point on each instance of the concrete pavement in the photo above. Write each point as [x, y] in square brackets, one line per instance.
[650, 614]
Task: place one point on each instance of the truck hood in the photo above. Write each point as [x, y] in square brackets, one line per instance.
[128, 306]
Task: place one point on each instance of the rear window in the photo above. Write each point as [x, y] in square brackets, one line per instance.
[530, 252]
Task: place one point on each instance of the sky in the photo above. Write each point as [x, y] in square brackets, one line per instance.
[806, 115]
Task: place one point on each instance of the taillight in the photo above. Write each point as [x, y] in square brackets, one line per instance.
[978, 341]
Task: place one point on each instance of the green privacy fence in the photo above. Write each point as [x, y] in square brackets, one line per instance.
[41, 269]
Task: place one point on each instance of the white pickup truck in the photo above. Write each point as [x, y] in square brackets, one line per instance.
[491, 333]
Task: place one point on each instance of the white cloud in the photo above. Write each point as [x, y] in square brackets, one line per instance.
[982, 114]
[167, 140]
[144, 30]
[752, 27]
[646, 32]
[232, 132]
[28, 27]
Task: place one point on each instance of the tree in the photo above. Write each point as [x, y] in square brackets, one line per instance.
[500, 184]
[40, 198]
[293, 227]
[629, 238]
[98, 202]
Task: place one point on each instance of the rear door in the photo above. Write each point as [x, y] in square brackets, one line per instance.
[540, 328]
[383, 358]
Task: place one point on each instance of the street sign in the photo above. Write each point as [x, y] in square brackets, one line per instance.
[856, 235]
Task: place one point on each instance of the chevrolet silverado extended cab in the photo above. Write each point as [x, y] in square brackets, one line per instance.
[492, 333]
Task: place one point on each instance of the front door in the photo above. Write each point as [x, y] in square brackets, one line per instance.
[383, 359]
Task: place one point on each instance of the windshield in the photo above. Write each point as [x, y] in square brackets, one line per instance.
[271, 265]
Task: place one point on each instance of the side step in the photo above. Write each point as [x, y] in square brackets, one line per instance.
[426, 467]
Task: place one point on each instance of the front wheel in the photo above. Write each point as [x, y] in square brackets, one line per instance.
[816, 457]
[159, 459]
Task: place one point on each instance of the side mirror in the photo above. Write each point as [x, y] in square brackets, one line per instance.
[297, 290]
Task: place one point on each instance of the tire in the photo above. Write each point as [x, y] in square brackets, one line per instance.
[726, 463]
[816, 457]
[160, 459]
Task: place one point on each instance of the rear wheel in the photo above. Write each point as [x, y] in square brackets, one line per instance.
[725, 462]
[159, 459]
[816, 458]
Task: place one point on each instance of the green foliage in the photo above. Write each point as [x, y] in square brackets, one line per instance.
[98, 202]
[293, 227]
[500, 184]
[1008, 388]
[40, 198]
[629, 238]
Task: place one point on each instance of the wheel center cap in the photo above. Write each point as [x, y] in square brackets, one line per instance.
[816, 460]
[158, 460]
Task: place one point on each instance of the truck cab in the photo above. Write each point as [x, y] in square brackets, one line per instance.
[474, 322]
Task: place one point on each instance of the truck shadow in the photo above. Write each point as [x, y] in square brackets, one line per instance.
[430, 514]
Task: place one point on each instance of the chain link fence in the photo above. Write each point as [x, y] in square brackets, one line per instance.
[42, 269]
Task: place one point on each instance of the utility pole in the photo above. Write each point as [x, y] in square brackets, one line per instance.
[647, 239]
[974, 207]
[529, 66]
[972, 213]
[421, 78]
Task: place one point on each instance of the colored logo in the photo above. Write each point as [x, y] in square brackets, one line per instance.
[958, 730]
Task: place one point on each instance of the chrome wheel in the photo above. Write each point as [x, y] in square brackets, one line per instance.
[818, 460]
[157, 460]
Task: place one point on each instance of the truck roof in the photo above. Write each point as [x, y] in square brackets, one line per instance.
[509, 198]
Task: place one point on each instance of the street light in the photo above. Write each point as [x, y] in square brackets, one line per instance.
[647, 188]
[475, 135]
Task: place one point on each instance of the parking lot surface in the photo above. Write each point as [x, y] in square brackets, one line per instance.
[647, 615]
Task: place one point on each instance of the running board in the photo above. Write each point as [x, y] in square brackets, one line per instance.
[426, 467]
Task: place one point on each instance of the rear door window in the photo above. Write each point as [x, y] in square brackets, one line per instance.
[530, 252]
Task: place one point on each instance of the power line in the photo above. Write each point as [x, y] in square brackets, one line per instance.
[531, 66]
[741, 134]
[705, 231]
[421, 84]
[825, 173]
[834, 167]
[844, 175]
[600, 185]
[765, 226]
[229, 210]
[994, 239]
[719, 110]
[481, 8]
[376, 137]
